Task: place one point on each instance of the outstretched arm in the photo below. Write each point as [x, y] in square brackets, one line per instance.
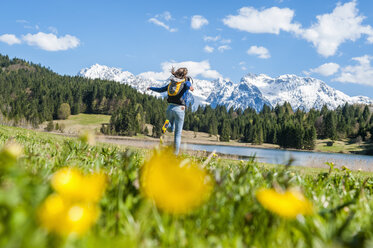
[189, 86]
[160, 89]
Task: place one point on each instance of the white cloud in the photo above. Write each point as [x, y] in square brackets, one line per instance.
[223, 48]
[261, 52]
[333, 29]
[327, 69]
[211, 38]
[198, 22]
[343, 24]
[359, 74]
[271, 20]
[165, 15]
[10, 39]
[162, 24]
[50, 42]
[195, 69]
[208, 49]
[225, 41]
[216, 40]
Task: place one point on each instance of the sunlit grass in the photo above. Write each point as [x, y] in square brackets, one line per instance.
[49, 197]
[77, 123]
[89, 119]
[340, 146]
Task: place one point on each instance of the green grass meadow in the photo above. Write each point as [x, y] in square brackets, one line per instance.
[76, 123]
[340, 146]
[231, 217]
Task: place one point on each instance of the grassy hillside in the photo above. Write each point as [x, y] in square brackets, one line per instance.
[77, 123]
[341, 146]
[226, 204]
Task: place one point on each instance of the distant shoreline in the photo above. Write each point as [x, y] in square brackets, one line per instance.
[150, 142]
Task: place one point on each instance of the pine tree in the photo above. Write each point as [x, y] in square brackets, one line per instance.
[330, 125]
[213, 126]
[310, 138]
[258, 135]
[50, 126]
[226, 131]
[366, 113]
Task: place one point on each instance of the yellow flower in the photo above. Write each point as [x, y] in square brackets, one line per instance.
[79, 218]
[10, 152]
[59, 215]
[88, 137]
[176, 186]
[286, 204]
[70, 183]
[52, 211]
[93, 186]
[73, 209]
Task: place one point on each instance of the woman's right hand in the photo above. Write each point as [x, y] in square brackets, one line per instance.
[148, 88]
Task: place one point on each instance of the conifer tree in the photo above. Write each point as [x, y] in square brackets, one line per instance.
[226, 131]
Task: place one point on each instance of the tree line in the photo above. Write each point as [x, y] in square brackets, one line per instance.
[35, 94]
[282, 125]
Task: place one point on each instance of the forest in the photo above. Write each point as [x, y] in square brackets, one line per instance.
[32, 94]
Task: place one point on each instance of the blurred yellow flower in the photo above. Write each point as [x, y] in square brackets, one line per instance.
[67, 182]
[93, 186]
[70, 183]
[10, 152]
[73, 209]
[61, 216]
[176, 186]
[79, 218]
[51, 211]
[286, 204]
[87, 137]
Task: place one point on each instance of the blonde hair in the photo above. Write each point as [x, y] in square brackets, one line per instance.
[179, 73]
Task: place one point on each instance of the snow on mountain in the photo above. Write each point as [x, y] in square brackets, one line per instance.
[252, 91]
[202, 88]
[301, 92]
[240, 95]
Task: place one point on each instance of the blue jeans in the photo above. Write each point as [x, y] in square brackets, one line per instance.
[175, 114]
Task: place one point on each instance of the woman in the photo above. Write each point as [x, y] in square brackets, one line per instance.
[177, 91]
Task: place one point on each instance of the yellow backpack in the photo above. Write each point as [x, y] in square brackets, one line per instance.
[175, 87]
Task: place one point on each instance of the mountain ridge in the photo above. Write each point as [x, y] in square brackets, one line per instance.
[252, 91]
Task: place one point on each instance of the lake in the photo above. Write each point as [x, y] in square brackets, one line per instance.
[271, 156]
[301, 158]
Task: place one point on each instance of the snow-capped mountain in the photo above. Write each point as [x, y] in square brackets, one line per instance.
[252, 91]
[238, 96]
[300, 92]
[202, 88]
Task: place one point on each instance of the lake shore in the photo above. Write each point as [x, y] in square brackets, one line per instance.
[76, 123]
[189, 137]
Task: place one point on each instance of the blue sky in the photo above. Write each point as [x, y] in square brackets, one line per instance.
[326, 39]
